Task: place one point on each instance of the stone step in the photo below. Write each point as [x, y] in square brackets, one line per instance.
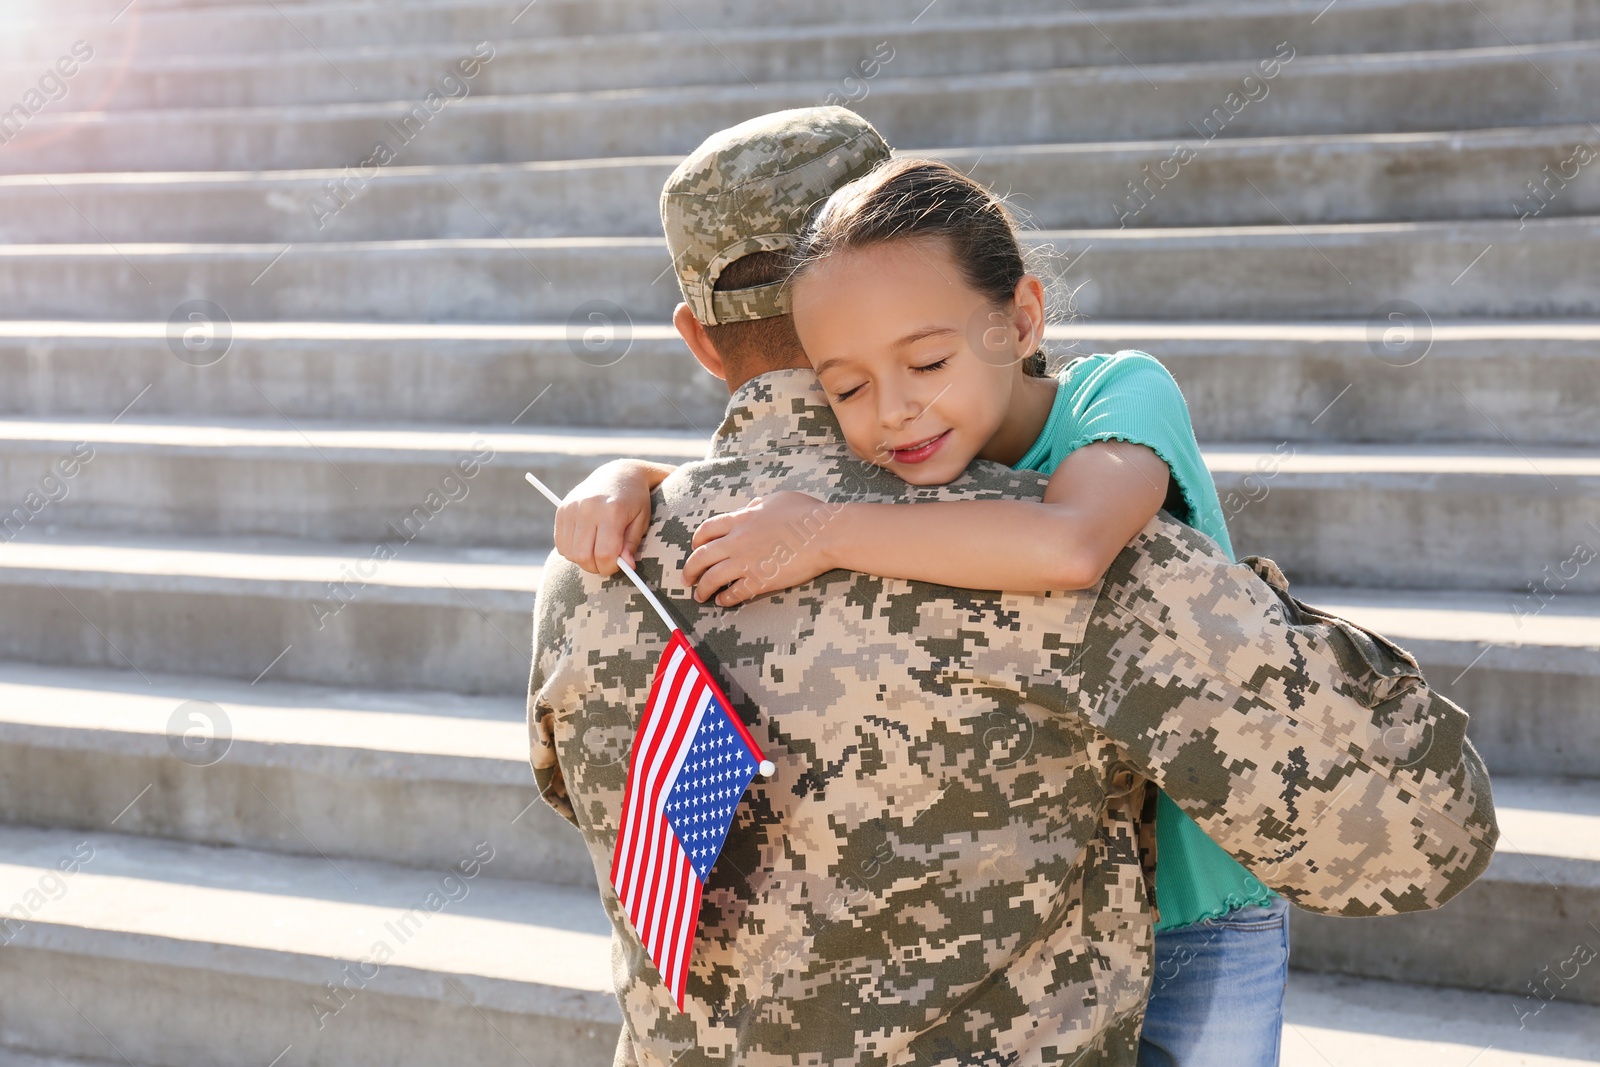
[1528, 672]
[456, 620]
[343, 962]
[10, 1057]
[1328, 513]
[1536, 84]
[1329, 178]
[1276, 381]
[466, 374]
[1409, 379]
[1541, 268]
[250, 26]
[1417, 516]
[860, 53]
[564, 198]
[36, 10]
[400, 777]
[1337, 1021]
[348, 482]
[1525, 928]
[1318, 178]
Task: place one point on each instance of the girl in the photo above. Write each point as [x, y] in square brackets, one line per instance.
[914, 306]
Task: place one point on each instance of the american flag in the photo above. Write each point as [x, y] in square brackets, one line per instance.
[692, 761]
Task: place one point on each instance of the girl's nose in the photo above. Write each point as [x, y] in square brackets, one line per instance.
[896, 409]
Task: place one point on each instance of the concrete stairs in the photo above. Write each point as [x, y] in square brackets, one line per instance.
[1331, 270]
[263, 649]
[1424, 91]
[431, 966]
[678, 55]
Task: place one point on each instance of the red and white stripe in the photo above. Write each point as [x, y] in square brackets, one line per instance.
[650, 871]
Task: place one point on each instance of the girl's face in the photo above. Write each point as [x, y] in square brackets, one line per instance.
[923, 372]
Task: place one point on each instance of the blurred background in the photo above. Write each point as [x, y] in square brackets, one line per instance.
[292, 293]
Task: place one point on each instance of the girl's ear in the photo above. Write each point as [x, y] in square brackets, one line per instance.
[1029, 323]
[693, 332]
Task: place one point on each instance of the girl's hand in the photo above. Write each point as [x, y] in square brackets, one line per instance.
[607, 515]
[774, 543]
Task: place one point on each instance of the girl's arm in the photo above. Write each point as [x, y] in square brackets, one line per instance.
[1098, 498]
[607, 515]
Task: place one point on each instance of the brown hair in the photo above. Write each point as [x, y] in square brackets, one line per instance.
[754, 346]
[908, 198]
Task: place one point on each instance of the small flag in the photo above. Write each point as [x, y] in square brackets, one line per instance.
[692, 761]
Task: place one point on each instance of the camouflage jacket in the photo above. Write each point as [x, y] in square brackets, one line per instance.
[945, 867]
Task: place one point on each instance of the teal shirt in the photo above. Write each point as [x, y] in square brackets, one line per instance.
[1131, 397]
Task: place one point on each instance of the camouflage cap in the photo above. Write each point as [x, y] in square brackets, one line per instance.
[752, 188]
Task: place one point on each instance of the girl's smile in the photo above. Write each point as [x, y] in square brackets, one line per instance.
[921, 450]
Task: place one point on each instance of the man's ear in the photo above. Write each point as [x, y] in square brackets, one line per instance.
[694, 335]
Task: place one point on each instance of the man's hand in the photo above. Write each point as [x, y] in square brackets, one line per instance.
[607, 515]
[774, 543]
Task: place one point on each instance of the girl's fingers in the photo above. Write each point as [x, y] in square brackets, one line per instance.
[701, 560]
[724, 572]
[563, 532]
[567, 537]
[635, 535]
[709, 530]
[716, 526]
[583, 534]
[737, 592]
[608, 545]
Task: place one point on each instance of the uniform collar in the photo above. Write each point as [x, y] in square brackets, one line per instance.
[776, 411]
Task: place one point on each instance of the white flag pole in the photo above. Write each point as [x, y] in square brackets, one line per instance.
[629, 571]
[766, 769]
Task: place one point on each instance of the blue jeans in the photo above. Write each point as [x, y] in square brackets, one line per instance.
[1216, 999]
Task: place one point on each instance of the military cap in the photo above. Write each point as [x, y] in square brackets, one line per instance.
[752, 188]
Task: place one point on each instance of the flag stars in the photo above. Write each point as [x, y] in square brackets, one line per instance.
[716, 770]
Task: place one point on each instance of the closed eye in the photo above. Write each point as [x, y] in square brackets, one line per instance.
[839, 398]
[936, 365]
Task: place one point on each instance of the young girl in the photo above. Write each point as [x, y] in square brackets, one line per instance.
[914, 306]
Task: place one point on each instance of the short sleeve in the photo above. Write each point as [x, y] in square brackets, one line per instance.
[1130, 396]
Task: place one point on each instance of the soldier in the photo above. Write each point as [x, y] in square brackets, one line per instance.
[952, 861]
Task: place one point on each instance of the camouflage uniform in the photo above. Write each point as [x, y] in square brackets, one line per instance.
[946, 866]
